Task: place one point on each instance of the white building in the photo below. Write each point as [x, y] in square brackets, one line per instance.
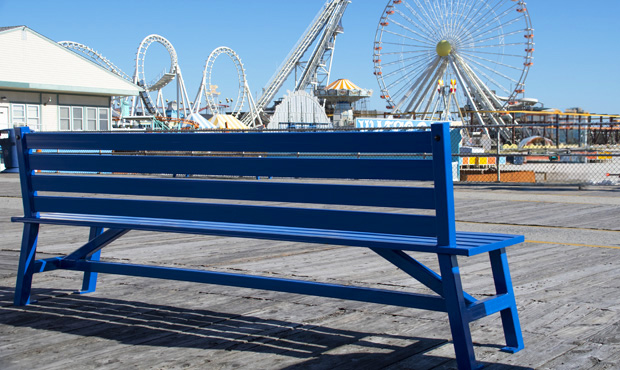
[50, 88]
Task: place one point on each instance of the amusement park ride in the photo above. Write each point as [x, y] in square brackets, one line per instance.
[314, 71]
[483, 48]
[317, 69]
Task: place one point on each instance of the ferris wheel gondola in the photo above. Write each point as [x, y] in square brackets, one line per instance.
[486, 46]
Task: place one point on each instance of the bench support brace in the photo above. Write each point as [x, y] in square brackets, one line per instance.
[510, 316]
[417, 270]
[25, 270]
[89, 283]
[457, 312]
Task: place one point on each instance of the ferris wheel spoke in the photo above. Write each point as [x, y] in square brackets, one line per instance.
[472, 58]
[500, 37]
[434, 15]
[421, 87]
[490, 14]
[440, 11]
[497, 19]
[478, 18]
[465, 18]
[411, 21]
[454, 21]
[499, 27]
[399, 44]
[491, 79]
[497, 54]
[500, 45]
[427, 42]
[405, 72]
[422, 18]
[404, 37]
[466, 21]
[400, 61]
[423, 94]
[404, 52]
[484, 92]
[419, 82]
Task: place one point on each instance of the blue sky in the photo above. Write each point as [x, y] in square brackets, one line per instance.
[577, 55]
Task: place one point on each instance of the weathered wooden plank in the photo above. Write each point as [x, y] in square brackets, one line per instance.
[566, 296]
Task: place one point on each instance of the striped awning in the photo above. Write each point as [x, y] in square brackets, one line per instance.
[342, 84]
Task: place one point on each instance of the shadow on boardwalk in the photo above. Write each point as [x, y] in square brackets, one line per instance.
[138, 323]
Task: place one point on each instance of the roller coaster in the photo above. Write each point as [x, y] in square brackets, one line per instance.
[151, 104]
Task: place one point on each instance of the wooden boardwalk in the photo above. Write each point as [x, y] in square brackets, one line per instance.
[566, 276]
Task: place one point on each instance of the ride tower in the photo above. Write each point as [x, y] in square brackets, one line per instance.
[315, 71]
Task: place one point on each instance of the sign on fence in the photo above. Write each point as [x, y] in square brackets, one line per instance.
[390, 123]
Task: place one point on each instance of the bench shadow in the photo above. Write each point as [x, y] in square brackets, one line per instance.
[145, 324]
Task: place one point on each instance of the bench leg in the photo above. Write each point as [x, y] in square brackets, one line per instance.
[455, 301]
[510, 316]
[25, 269]
[89, 283]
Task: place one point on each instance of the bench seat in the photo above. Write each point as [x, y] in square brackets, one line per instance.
[468, 243]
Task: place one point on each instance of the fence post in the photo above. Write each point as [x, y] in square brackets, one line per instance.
[499, 138]
[557, 133]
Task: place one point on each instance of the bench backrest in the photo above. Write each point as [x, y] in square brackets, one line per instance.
[111, 170]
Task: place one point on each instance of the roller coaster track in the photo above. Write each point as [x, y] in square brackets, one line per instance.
[165, 79]
[327, 25]
[94, 56]
[326, 21]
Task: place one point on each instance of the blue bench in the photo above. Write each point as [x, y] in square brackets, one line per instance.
[111, 170]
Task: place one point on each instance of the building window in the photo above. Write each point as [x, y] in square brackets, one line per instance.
[19, 114]
[104, 119]
[78, 118]
[65, 118]
[26, 115]
[84, 118]
[91, 119]
[33, 117]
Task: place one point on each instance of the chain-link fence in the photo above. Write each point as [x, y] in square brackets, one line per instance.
[552, 151]
[568, 152]
[548, 149]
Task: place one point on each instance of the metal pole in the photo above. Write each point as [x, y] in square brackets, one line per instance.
[499, 177]
[557, 136]
[178, 101]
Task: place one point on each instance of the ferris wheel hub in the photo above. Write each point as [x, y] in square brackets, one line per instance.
[444, 48]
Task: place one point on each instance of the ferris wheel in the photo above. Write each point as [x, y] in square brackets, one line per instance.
[476, 52]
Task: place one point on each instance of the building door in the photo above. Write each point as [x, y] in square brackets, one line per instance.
[4, 118]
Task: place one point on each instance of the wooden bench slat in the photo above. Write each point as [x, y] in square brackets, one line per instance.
[334, 168]
[389, 223]
[352, 195]
[312, 142]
